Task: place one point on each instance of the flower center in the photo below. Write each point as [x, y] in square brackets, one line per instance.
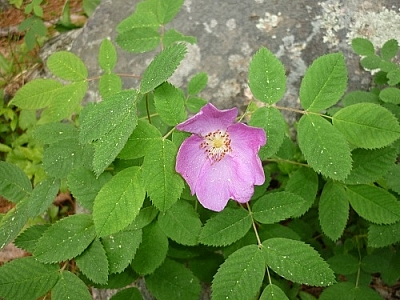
[216, 144]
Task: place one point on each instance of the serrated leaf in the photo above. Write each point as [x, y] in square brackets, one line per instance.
[341, 290]
[144, 218]
[226, 227]
[355, 97]
[275, 207]
[197, 83]
[138, 144]
[181, 223]
[267, 80]
[389, 49]
[194, 104]
[383, 235]
[362, 46]
[163, 185]
[54, 132]
[390, 95]
[121, 248]
[324, 82]
[324, 147]
[167, 9]
[274, 125]
[393, 178]
[93, 263]
[14, 184]
[65, 239]
[43, 195]
[162, 67]
[36, 94]
[138, 40]
[172, 36]
[393, 76]
[297, 261]
[26, 278]
[119, 201]
[109, 84]
[107, 55]
[84, 186]
[67, 66]
[170, 104]
[131, 293]
[240, 276]
[374, 204]
[273, 292]
[370, 165]
[173, 281]
[344, 264]
[28, 238]
[154, 241]
[333, 210]
[69, 286]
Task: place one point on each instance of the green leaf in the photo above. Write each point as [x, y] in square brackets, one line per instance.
[84, 186]
[240, 276]
[273, 292]
[324, 147]
[367, 125]
[26, 278]
[390, 95]
[226, 227]
[275, 207]
[393, 76]
[348, 291]
[43, 195]
[371, 62]
[271, 120]
[383, 235]
[172, 36]
[138, 40]
[163, 185]
[145, 217]
[297, 262]
[109, 124]
[109, 84]
[333, 210]
[197, 83]
[93, 263]
[36, 94]
[362, 46]
[355, 97]
[14, 184]
[374, 204]
[121, 248]
[173, 281]
[67, 66]
[69, 286]
[389, 49]
[119, 201]
[267, 80]
[181, 223]
[131, 293]
[393, 178]
[170, 104]
[167, 9]
[107, 55]
[28, 238]
[162, 67]
[324, 82]
[65, 239]
[89, 6]
[370, 165]
[344, 264]
[194, 104]
[154, 241]
[54, 132]
[303, 182]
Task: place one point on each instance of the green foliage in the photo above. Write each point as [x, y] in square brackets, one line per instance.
[70, 286]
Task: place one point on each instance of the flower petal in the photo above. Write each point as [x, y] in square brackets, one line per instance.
[209, 119]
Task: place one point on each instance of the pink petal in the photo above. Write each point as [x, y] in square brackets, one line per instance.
[209, 119]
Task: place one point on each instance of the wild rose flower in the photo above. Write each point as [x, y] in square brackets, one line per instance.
[219, 161]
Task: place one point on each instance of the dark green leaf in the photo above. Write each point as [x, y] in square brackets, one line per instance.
[28, 238]
[393, 178]
[355, 97]
[14, 184]
[273, 292]
[383, 235]
[170, 104]
[389, 49]
[128, 294]
[69, 286]
[43, 195]
[344, 264]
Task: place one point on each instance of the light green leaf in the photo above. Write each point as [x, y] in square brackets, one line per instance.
[383, 235]
[393, 76]
[324, 82]
[181, 223]
[344, 264]
[355, 97]
[370, 165]
[333, 210]
[69, 286]
[274, 125]
[170, 104]
[273, 292]
[194, 104]
[172, 280]
[36, 94]
[14, 184]
[26, 278]
[54, 132]
[107, 55]
[324, 147]
[297, 262]
[172, 36]
[109, 84]
[167, 9]
[43, 195]
[93, 263]
[267, 80]
[374, 204]
[67, 65]
[275, 207]
[226, 227]
[362, 46]
[154, 241]
[65, 239]
[89, 6]
[240, 276]
[390, 95]
[28, 238]
[162, 67]
[121, 248]
[163, 185]
[143, 17]
[118, 202]
[138, 40]
[371, 62]
[197, 83]
[389, 49]
[131, 293]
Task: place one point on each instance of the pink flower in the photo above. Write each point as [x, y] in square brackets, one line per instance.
[220, 159]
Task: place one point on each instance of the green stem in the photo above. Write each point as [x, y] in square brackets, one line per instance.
[147, 108]
[254, 225]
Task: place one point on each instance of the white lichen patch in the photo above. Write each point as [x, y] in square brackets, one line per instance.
[209, 27]
[269, 22]
[332, 20]
[231, 24]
